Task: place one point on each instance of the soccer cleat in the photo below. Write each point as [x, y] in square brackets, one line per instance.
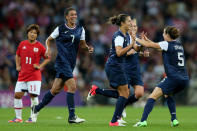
[115, 124]
[29, 120]
[121, 121]
[124, 114]
[34, 114]
[15, 120]
[140, 124]
[75, 119]
[174, 123]
[92, 92]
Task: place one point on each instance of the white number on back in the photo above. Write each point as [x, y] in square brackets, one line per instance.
[181, 59]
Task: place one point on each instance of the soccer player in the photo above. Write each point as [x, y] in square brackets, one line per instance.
[28, 55]
[115, 65]
[68, 38]
[133, 73]
[177, 77]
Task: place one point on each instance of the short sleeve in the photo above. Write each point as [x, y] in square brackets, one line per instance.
[119, 40]
[163, 45]
[55, 33]
[82, 34]
[18, 49]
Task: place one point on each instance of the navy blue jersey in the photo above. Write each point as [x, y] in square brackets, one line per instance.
[115, 66]
[67, 41]
[113, 58]
[174, 60]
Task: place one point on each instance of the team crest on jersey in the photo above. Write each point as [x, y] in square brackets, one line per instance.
[24, 47]
[35, 49]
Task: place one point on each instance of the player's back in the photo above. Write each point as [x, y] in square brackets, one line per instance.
[174, 61]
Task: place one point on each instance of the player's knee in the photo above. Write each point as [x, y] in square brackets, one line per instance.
[72, 89]
[139, 94]
[18, 96]
[55, 91]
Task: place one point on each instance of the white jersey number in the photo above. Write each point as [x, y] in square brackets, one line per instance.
[28, 60]
[181, 59]
[73, 37]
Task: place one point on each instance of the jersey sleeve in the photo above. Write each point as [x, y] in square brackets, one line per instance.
[43, 50]
[163, 45]
[82, 34]
[119, 40]
[18, 49]
[55, 33]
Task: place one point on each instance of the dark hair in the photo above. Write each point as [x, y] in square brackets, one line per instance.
[116, 20]
[172, 32]
[67, 10]
[33, 27]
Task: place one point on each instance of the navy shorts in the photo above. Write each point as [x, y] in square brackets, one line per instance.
[116, 76]
[64, 71]
[135, 78]
[171, 86]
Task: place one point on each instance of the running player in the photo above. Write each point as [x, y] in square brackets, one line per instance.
[68, 38]
[177, 77]
[115, 65]
[28, 55]
[133, 73]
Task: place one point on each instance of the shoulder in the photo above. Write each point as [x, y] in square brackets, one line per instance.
[116, 34]
[40, 44]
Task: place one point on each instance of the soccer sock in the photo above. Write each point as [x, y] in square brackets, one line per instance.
[148, 108]
[71, 104]
[172, 107]
[107, 92]
[45, 100]
[119, 108]
[131, 100]
[18, 105]
[34, 101]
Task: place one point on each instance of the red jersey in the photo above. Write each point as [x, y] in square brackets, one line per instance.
[30, 54]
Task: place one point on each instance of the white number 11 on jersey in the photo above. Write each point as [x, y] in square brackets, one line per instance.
[28, 60]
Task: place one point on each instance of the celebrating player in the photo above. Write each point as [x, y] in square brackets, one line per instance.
[133, 73]
[68, 38]
[28, 56]
[115, 65]
[177, 77]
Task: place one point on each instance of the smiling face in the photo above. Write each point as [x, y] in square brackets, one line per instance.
[127, 23]
[71, 17]
[32, 35]
[134, 26]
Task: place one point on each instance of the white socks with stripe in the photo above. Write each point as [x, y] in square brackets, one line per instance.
[18, 105]
[34, 101]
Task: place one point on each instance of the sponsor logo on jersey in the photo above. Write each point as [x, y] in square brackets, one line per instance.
[35, 49]
[66, 32]
[24, 47]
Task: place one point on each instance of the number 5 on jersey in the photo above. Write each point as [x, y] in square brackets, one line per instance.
[181, 59]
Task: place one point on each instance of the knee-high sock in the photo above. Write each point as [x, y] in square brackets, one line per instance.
[71, 104]
[45, 100]
[18, 105]
[172, 107]
[107, 92]
[131, 100]
[34, 101]
[119, 108]
[148, 108]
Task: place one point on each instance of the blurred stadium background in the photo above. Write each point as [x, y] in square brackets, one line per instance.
[152, 17]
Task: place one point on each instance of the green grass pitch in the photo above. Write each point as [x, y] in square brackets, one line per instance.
[97, 119]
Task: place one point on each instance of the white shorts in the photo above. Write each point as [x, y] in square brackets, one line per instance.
[32, 87]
